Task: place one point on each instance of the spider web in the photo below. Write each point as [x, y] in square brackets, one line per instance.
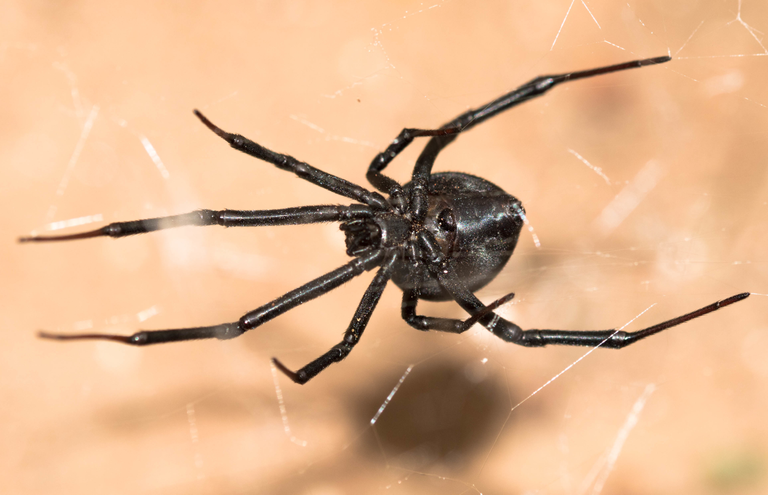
[645, 195]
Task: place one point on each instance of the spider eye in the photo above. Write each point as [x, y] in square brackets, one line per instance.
[446, 220]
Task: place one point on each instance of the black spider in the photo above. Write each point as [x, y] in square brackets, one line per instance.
[439, 237]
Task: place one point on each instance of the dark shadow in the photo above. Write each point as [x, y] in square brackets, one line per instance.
[445, 412]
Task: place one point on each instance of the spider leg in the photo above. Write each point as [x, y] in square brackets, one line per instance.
[301, 169]
[424, 323]
[386, 184]
[226, 218]
[533, 88]
[249, 321]
[509, 332]
[613, 339]
[354, 330]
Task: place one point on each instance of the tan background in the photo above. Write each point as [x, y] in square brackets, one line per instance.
[332, 83]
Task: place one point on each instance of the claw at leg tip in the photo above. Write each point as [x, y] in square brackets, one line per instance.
[210, 125]
[290, 374]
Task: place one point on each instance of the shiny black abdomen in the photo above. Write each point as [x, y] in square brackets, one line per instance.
[477, 225]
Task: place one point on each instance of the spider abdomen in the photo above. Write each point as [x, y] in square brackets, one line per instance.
[475, 223]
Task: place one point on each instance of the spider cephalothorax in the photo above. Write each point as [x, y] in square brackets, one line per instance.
[439, 237]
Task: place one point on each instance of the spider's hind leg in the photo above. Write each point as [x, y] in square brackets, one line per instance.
[616, 339]
[510, 332]
[388, 185]
[611, 339]
[450, 325]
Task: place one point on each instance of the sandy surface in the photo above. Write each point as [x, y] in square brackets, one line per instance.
[645, 189]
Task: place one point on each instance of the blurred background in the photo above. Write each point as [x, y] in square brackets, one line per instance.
[644, 189]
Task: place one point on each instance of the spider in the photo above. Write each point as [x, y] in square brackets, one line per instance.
[439, 237]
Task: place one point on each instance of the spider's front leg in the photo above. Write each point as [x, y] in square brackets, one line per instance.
[226, 218]
[256, 318]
